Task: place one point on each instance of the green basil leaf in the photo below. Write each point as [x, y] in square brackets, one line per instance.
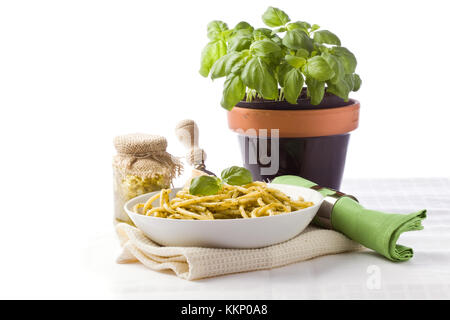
[237, 67]
[239, 43]
[296, 62]
[356, 82]
[215, 29]
[314, 27]
[279, 30]
[302, 53]
[242, 30]
[319, 69]
[293, 84]
[297, 39]
[341, 88]
[210, 54]
[322, 48]
[299, 25]
[236, 176]
[327, 37]
[282, 70]
[262, 33]
[348, 59]
[248, 33]
[205, 186]
[233, 91]
[316, 90]
[336, 65]
[348, 78]
[275, 38]
[243, 26]
[257, 75]
[264, 47]
[274, 17]
[226, 34]
[225, 64]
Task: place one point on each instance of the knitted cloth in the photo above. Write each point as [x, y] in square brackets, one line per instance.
[193, 263]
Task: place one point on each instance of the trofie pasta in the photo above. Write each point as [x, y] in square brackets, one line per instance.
[253, 200]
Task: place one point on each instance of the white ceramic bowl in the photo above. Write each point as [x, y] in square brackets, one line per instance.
[228, 233]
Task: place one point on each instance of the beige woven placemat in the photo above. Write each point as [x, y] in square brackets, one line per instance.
[193, 263]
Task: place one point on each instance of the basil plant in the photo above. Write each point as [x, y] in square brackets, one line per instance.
[274, 63]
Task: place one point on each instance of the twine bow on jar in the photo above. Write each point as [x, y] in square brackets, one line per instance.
[145, 155]
[162, 157]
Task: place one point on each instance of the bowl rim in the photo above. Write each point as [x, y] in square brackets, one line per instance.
[128, 211]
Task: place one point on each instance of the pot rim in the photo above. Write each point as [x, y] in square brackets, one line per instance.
[303, 103]
[294, 123]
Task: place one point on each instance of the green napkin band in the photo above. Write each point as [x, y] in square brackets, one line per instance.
[374, 229]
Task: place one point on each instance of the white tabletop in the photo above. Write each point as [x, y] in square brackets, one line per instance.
[91, 272]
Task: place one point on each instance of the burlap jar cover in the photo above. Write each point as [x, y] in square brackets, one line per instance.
[141, 165]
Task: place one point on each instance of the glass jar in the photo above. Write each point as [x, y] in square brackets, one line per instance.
[141, 165]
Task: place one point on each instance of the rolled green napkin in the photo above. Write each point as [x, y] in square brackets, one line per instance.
[373, 229]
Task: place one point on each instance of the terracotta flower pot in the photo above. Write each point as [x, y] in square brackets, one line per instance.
[312, 140]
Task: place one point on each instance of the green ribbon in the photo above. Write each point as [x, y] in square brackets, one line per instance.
[376, 230]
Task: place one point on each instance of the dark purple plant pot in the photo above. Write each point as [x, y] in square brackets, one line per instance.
[319, 159]
[312, 140]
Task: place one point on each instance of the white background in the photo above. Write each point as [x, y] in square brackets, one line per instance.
[73, 74]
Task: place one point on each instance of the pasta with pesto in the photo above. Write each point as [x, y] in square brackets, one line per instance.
[253, 200]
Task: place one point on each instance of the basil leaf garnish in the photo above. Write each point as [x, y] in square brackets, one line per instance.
[236, 176]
